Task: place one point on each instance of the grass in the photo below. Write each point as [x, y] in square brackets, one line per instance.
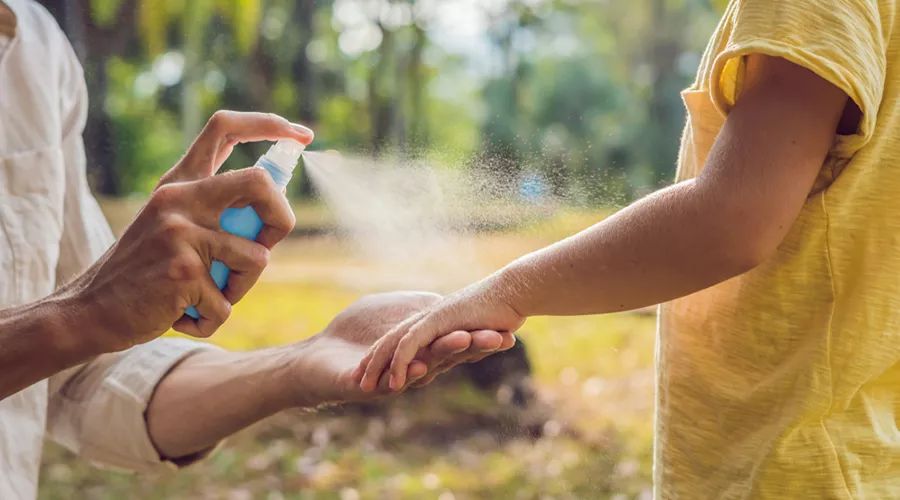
[592, 376]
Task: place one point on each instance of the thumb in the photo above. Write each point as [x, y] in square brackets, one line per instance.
[222, 132]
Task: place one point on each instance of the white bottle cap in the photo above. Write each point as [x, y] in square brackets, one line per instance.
[285, 154]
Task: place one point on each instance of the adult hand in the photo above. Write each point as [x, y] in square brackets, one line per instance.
[141, 286]
[324, 364]
[480, 306]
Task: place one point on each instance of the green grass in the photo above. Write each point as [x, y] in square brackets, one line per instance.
[593, 377]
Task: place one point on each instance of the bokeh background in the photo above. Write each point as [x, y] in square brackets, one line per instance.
[575, 98]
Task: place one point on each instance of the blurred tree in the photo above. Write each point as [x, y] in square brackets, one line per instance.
[194, 17]
[302, 69]
[98, 29]
[587, 98]
[503, 131]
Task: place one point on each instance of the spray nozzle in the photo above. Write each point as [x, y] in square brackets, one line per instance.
[285, 153]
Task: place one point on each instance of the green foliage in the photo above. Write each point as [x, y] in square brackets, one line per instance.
[147, 140]
[585, 97]
[103, 12]
[594, 372]
[244, 15]
[156, 17]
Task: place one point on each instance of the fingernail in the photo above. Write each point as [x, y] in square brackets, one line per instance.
[303, 129]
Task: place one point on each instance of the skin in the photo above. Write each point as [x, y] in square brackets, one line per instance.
[677, 241]
[214, 394]
[168, 249]
[7, 21]
[141, 286]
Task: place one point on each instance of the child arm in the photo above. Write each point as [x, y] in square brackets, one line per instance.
[672, 243]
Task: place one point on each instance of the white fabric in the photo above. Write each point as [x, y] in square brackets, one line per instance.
[51, 229]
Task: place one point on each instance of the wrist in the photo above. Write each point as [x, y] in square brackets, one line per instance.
[512, 288]
[85, 333]
[277, 384]
[64, 329]
[311, 382]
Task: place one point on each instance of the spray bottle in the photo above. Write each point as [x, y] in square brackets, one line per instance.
[280, 161]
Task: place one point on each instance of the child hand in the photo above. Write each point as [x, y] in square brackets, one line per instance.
[474, 308]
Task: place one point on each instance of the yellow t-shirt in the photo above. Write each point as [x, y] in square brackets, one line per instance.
[784, 382]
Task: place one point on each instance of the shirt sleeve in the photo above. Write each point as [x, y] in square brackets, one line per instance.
[842, 41]
[97, 410]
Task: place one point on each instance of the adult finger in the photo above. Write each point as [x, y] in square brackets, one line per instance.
[360, 370]
[212, 306]
[271, 234]
[239, 188]
[433, 373]
[417, 370]
[246, 259]
[222, 132]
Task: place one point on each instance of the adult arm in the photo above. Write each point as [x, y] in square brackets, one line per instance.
[211, 395]
[141, 286]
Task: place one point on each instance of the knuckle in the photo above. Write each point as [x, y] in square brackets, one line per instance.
[164, 196]
[280, 120]
[206, 330]
[218, 120]
[173, 227]
[225, 311]
[183, 268]
[258, 180]
[259, 257]
[170, 176]
[290, 219]
[405, 344]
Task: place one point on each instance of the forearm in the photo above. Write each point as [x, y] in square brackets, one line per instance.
[670, 244]
[36, 341]
[211, 395]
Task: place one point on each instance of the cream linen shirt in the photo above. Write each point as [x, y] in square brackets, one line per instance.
[51, 229]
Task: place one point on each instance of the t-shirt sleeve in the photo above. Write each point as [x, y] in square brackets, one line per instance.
[842, 41]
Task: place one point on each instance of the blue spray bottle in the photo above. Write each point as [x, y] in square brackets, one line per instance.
[280, 161]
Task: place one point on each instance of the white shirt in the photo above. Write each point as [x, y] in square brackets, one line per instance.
[51, 229]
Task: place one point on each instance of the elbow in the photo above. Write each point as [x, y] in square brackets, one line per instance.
[747, 258]
[745, 253]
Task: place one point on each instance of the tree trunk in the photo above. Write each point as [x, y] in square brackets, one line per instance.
[92, 44]
[380, 106]
[418, 120]
[666, 44]
[193, 28]
[302, 70]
